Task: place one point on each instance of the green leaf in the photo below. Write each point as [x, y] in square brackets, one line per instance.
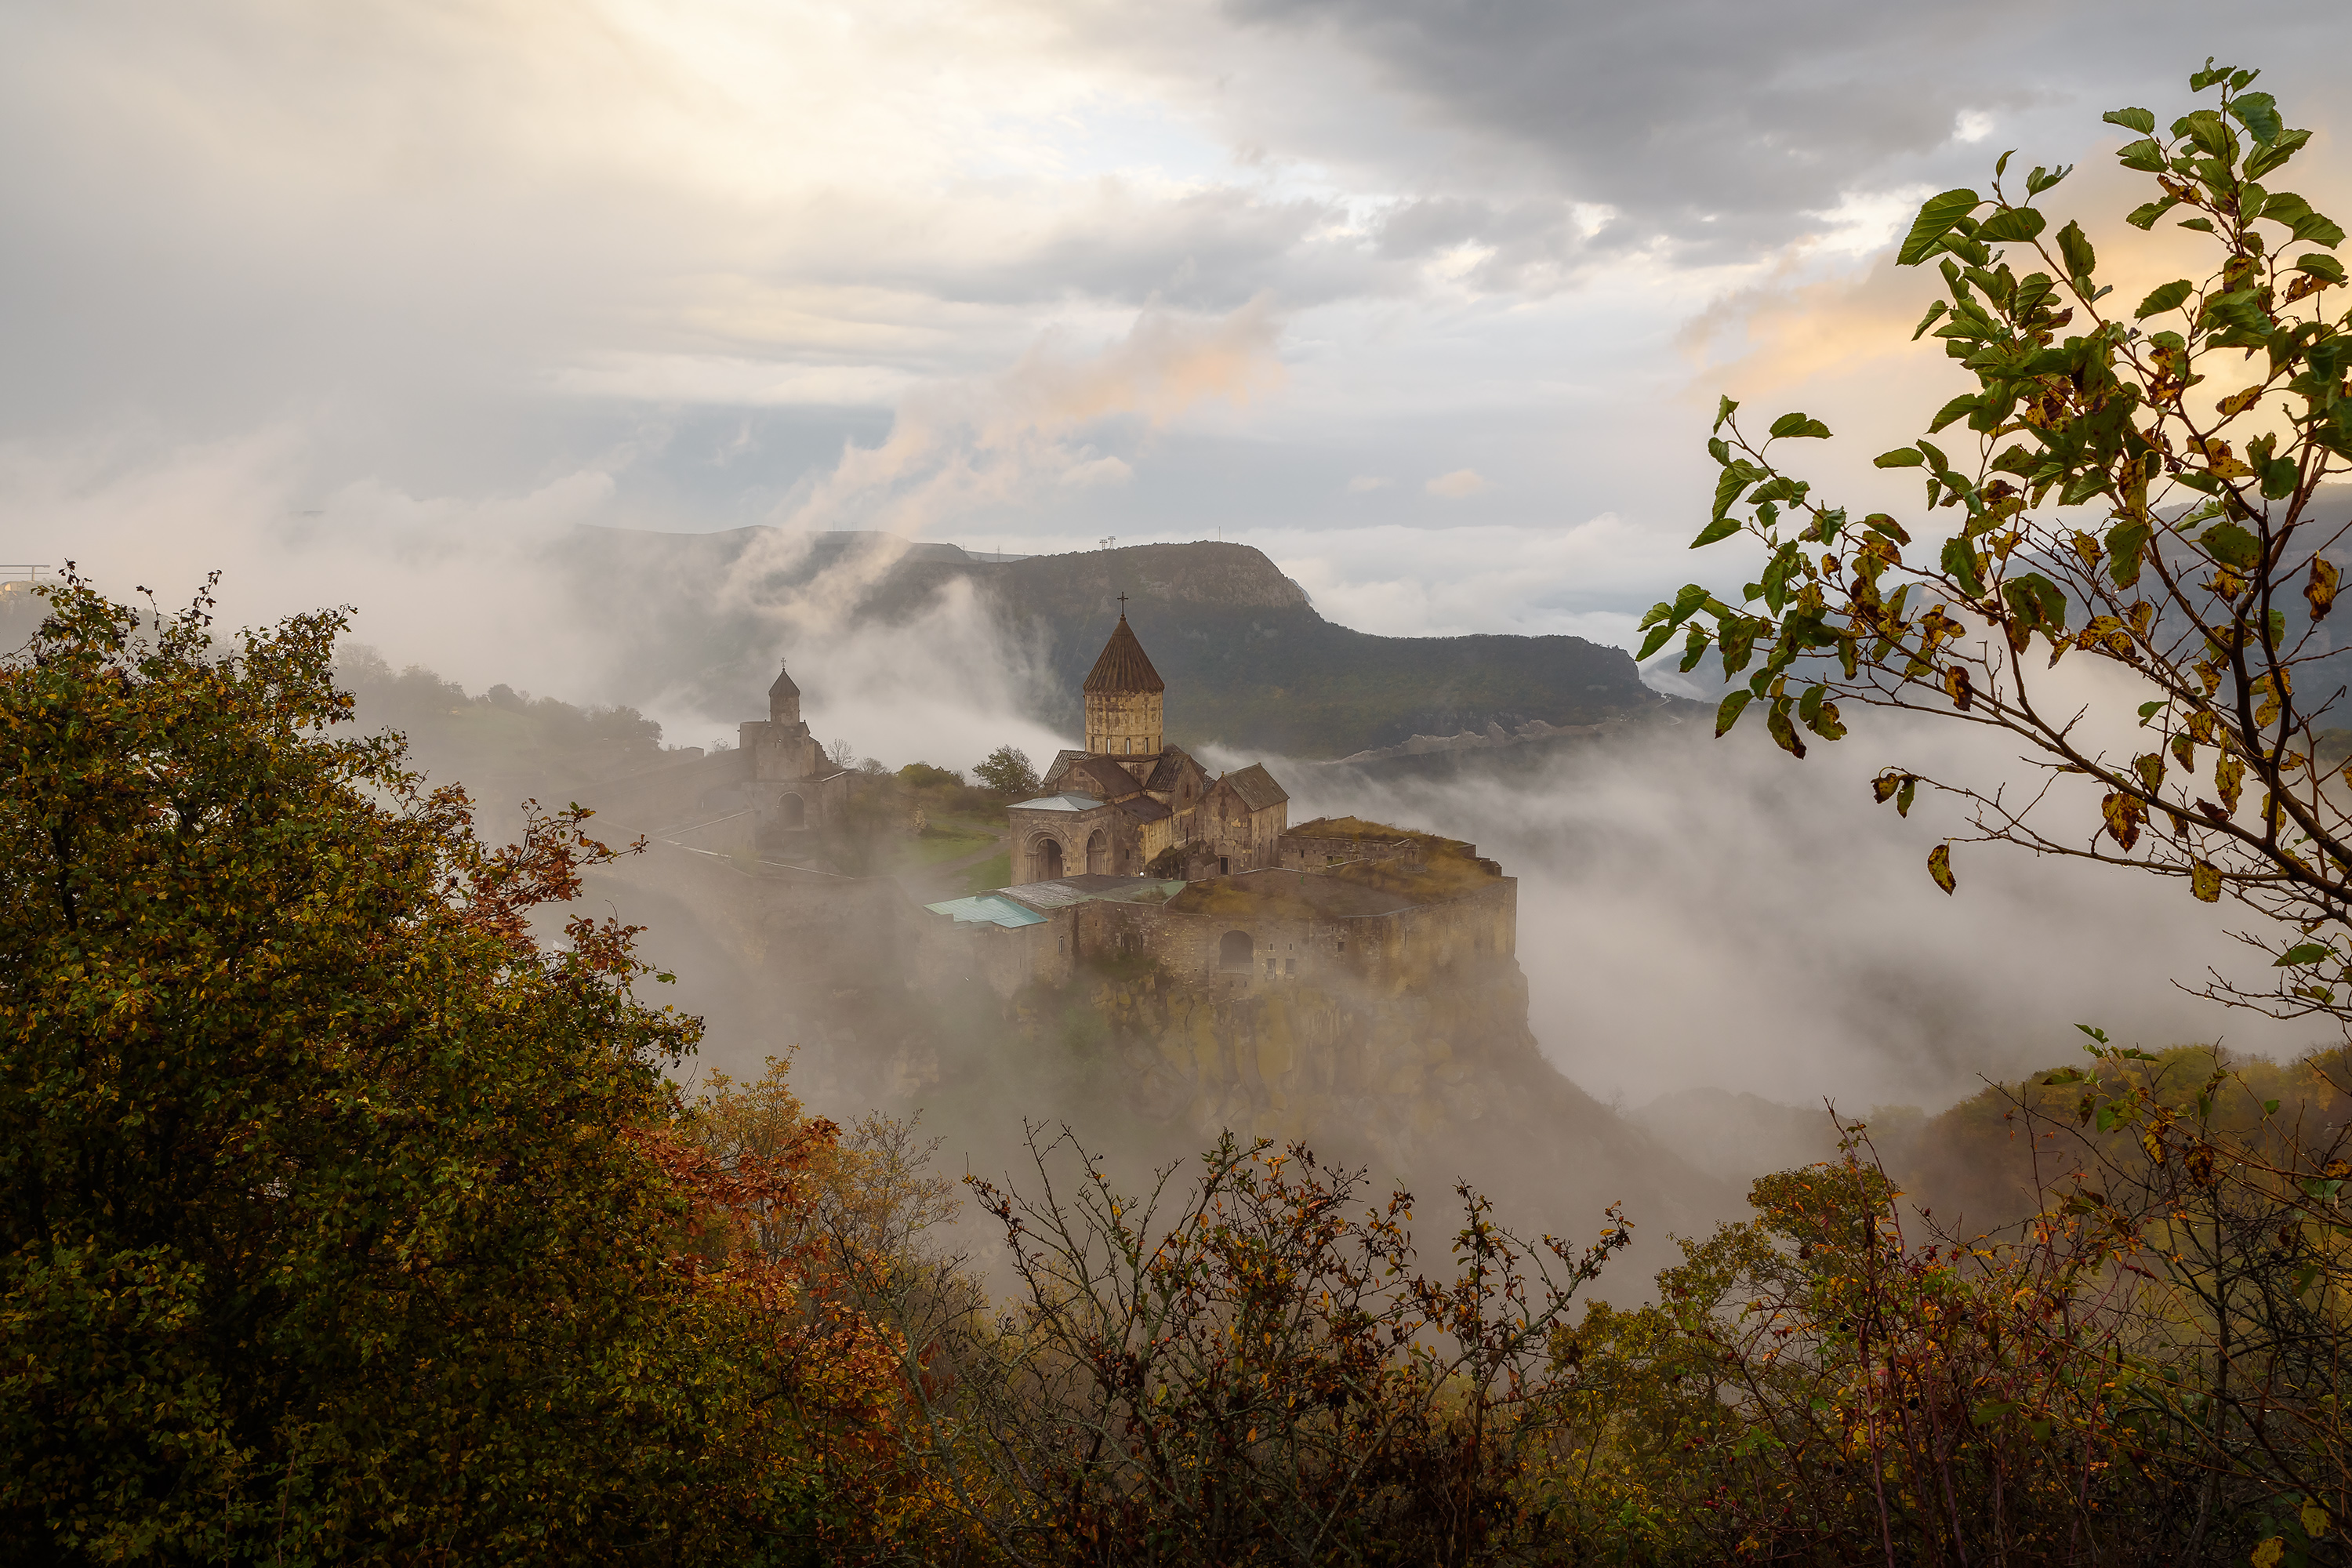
[1724, 409]
[2302, 953]
[1795, 425]
[2037, 602]
[2081, 260]
[2211, 132]
[1901, 458]
[1939, 867]
[2144, 217]
[1957, 408]
[2258, 113]
[1728, 485]
[1784, 734]
[2138, 119]
[2232, 546]
[1727, 715]
[1934, 310]
[1960, 564]
[2166, 298]
[2320, 266]
[1939, 214]
[2013, 224]
[1654, 642]
[2144, 155]
[2288, 144]
[1722, 528]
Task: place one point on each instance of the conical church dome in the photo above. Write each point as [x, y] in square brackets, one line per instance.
[1123, 666]
[783, 700]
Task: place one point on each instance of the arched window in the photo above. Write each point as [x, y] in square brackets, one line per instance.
[1233, 950]
[793, 811]
[1045, 857]
[1099, 854]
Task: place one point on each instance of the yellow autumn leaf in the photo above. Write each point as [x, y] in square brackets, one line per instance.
[2205, 882]
[2315, 1519]
[2270, 1552]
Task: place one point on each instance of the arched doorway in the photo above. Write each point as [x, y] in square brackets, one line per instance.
[1233, 949]
[1099, 854]
[792, 812]
[1045, 856]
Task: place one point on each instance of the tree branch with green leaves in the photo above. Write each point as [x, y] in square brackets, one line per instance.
[2142, 490]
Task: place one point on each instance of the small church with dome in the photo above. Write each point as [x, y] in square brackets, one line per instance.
[796, 788]
[1130, 803]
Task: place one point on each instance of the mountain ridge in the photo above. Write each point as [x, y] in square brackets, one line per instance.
[1250, 662]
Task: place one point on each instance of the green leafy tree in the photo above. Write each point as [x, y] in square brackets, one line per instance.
[333, 1215]
[1008, 771]
[2139, 484]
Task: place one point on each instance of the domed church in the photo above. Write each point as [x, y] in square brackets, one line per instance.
[1130, 803]
[795, 788]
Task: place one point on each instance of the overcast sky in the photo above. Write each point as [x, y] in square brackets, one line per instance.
[1430, 301]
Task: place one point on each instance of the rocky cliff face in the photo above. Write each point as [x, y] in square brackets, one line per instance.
[1293, 1062]
[1435, 1084]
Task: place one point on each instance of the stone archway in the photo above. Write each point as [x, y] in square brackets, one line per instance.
[1046, 858]
[1233, 949]
[1099, 854]
[792, 812]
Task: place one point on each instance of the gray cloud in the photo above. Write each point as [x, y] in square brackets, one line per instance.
[1720, 125]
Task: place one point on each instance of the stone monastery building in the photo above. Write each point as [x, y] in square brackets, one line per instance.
[1130, 803]
[1134, 850]
[795, 786]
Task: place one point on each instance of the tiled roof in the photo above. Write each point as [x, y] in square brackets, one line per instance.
[1062, 758]
[1170, 769]
[1123, 666]
[1101, 775]
[783, 686]
[988, 908]
[1065, 891]
[1059, 803]
[1256, 787]
[1144, 809]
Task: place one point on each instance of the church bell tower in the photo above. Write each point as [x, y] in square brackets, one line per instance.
[1123, 696]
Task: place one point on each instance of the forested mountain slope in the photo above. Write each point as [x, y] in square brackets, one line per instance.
[1248, 658]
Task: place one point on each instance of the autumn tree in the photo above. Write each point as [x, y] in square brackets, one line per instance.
[2140, 484]
[339, 1217]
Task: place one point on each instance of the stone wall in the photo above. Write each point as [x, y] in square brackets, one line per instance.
[1389, 954]
[1123, 723]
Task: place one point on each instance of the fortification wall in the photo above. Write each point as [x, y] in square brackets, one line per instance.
[1388, 952]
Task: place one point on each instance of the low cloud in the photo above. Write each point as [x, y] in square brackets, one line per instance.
[1694, 913]
[1459, 484]
[957, 449]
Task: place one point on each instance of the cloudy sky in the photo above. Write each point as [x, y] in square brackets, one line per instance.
[1430, 299]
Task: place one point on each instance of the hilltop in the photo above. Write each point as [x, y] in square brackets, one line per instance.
[1249, 660]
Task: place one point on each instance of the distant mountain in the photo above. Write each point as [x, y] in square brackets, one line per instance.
[1247, 659]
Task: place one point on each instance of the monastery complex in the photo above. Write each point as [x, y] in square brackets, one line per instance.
[1134, 851]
